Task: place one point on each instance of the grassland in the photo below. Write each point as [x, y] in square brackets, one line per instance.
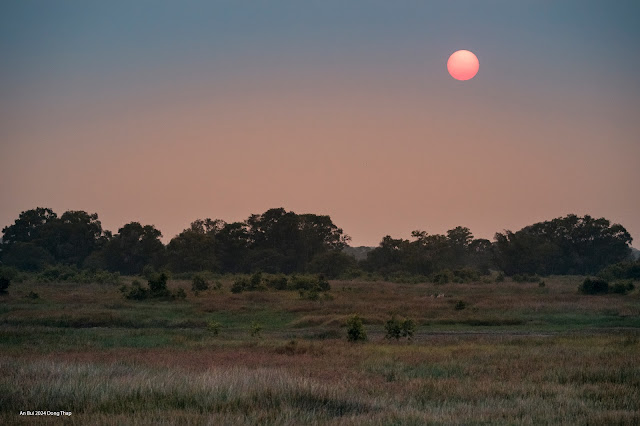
[518, 353]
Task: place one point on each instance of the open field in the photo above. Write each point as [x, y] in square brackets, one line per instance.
[517, 353]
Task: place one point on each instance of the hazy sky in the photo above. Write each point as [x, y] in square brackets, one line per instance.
[164, 112]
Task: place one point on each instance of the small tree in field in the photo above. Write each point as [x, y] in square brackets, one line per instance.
[355, 329]
[199, 284]
[399, 328]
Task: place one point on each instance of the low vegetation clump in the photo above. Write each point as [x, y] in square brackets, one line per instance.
[256, 329]
[594, 286]
[263, 282]
[198, 284]
[4, 284]
[622, 287]
[397, 328]
[157, 289]
[460, 305]
[64, 273]
[214, 327]
[525, 278]
[355, 329]
[621, 271]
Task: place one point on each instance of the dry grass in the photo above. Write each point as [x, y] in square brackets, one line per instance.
[517, 354]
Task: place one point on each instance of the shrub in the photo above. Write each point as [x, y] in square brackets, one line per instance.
[594, 286]
[408, 329]
[136, 292]
[524, 278]
[622, 270]
[400, 328]
[149, 272]
[355, 329]
[393, 328]
[214, 327]
[33, 295]
[12, 274]
[443, 277]
[309, 295]
[158, 285]
[199, 284]
[500, 278]
[322, 284]
[460, 305]
[239, 285]
[465, 275]
[318, 284]
[622, 287]
[541, 284]
[256, 329]
[180, 294]
[157, 290]
[278, 282]
[255, 282]
[4, 284]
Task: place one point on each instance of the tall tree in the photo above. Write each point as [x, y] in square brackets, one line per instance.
[134, 247]
[565, 245]
[194, 249]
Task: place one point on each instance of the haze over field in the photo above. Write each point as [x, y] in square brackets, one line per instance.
[163, 112]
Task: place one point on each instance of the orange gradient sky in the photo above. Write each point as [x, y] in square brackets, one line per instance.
[377, 135]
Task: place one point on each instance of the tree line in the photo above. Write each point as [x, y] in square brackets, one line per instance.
[280, 241]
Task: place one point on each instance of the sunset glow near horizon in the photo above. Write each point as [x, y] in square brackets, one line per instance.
[168, 112]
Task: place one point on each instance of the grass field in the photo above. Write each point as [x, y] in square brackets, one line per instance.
[517, 353]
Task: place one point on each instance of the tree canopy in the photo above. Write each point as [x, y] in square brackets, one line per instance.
[281, 241]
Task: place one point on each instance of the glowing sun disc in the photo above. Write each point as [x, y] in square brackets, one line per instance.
[463, 65]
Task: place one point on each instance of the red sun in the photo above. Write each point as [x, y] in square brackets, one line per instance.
[463, 65]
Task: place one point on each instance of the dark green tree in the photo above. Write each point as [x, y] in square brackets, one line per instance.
[194, 249]
[134, 247]
[565, 245]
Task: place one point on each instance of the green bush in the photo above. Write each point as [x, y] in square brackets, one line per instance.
[214, 327]
[500, 278]
[12, 274]
[465, 275]
[157, 290]
[397, 328]
[278, 282]
[355, 329]
[594, 286]
[4, 284]
[149, 272]
[158, 286]
[443, 277]
[460, 305]
[135, 292]
[621, 271]
[256, 329]
[524, 278]
[198, 284]
[255, 282]
[33, 295]
[239, 285]
[622, 287]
